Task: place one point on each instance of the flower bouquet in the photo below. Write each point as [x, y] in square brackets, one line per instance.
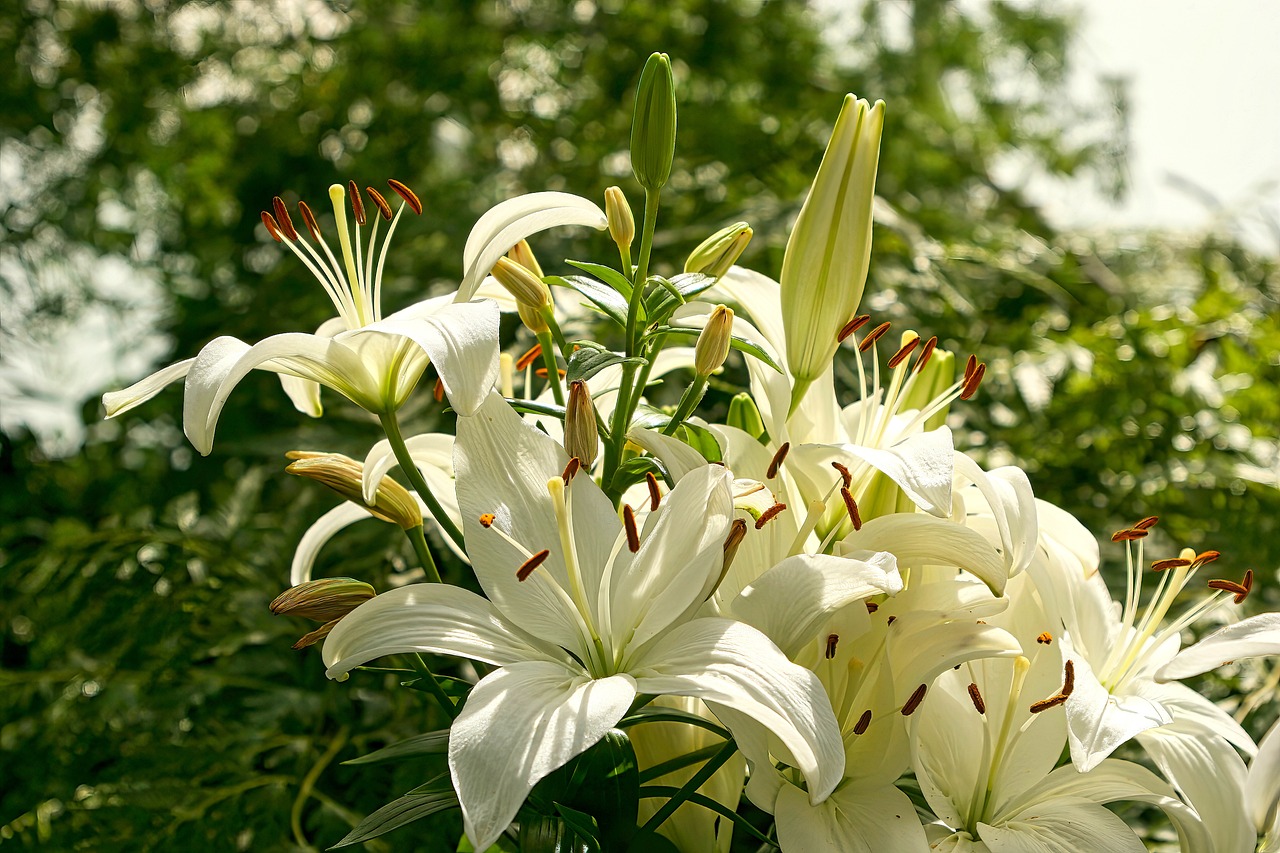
[805, 618]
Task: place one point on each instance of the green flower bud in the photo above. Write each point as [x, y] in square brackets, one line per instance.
[744, 415]
[322, 600]
[531, 293]
[522, 254]
[653, 124]
[824, 269]
[622, 225]
[392, 502]
[720, 251]
[581, 436]
[713, 344]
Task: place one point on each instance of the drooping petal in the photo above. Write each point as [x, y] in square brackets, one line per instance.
[1061, 826]
[1193, 714]
[1257, 635]
[432, 450]
[303, 393]
[790, 602]
[731, 664]
[859, 818]
[1097, 721]
[513, 220]
[1011, 504]
[521, 723]
[435, 618]
[920, 464]
[1108, 782]
[1262, 788]
[119, 402]
[320, 532]
[462, 341]
[681, 553]
[676, 456]
[918, 540]
[225, 361]
[1211, 777]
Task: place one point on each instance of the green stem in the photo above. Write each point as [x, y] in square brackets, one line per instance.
[549, 315]
[692, 397]
[624, 253]
[433, 686]
[553, 369]
[309, 782]
[391, 426]
[642, 270]
[689, 788]
[424, 553]
[657, 771]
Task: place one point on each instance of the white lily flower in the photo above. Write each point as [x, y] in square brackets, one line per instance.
[373, 361]
[1262, 791]
[584, 612]
[986, 744]
[1118, 651]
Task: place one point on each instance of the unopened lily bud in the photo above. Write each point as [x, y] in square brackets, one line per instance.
[531, 293]
[581, 436]
[322, 600]
[392, 502]
[522, 254]
[713, 344]
[653, 124]
[745, 415]
[720, 251]
[824, 269]
[622, 225]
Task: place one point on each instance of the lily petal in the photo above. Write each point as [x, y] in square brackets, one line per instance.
[678, 457]
[1262, 789]
[119, 402]
[1257, 635]
[432, 450]
[921, 465]
[859, 818]
[434, 618]
[462, 342]
[731, 664]
[511, 221]
[792, 601]
[1061, 826]
[521, 723]
[321, 531]
[1210, 776]
[918, 540]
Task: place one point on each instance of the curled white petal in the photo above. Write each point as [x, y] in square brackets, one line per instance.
[1257, 635]
[119, 402]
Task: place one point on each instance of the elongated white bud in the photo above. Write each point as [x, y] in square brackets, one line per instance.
[713, 344]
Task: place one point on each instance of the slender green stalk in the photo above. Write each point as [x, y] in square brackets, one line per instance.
[689, 788]
[391, 426]
[309, 782]
[420, 548]
[553, 369]
[624, 253]
[657, 771]
[549, 315]
[692, 397]
[433, 686]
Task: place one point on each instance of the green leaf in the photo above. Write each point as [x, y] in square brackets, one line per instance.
[661, 303]
[633, 470]
[601, 295]
[428, 743]
[603, 782]
[550, 834]
[741, 344]
[534, 407]
[652, 842]
[586, 362]
[424, 801]
[581, 823]
[706, 802]
[701, 440]
[659, 714]
[608, 275]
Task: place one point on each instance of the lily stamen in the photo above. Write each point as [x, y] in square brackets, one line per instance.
[860, 727]
[913, 702]
[769, 514]
[833, 640]
[851, 506]
[852, 326]
[776, 462]
[976, 697]
[527, 568]
[655, 496]
[629, 525]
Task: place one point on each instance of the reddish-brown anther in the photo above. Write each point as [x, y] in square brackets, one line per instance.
[914, 701]
[904, 353]
[379, 202]
[971, 384]
[272, 228]
[874, 335]
[357, 206]
[282, 216]
[629, 525]
[929, 346]
[410, 198]
[571, 468]
[863, 721]
[530, 354]
[976, 698]
[851, 506]
[655, 496]
[1147, 523]
[310, 219]
[527, 567]
[844, 474]
[776, 462]
[833, 640]
[769, 514]
[852, 326]
[1172, 563]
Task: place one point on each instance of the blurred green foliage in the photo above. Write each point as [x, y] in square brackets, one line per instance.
[151, 702]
